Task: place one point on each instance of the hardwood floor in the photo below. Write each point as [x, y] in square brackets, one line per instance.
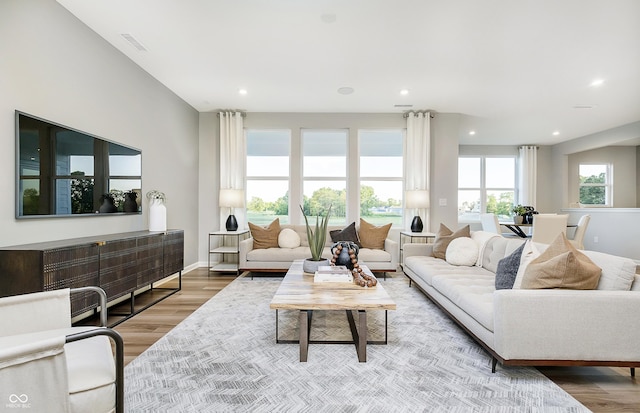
[601, 389]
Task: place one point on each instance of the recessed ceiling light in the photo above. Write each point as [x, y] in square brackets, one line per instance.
[583, 106]
[597, 82]
[404, 92]
[472, 132]
[556, 133]
[242, 91]
[345, 90]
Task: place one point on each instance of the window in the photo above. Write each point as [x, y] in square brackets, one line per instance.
[381, 177]
[324, 173]
[267, 188]
[595, 184]
[486, 185]
[323, 167]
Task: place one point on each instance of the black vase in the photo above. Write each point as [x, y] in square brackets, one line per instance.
[344, 258]
[107, 205]
[130, 204]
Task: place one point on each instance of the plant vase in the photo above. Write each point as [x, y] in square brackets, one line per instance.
[518, 219]
[310, 266]
[130, 204]
[157, 215]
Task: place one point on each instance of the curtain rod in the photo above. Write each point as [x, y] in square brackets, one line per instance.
[406, 114]
[242, 113]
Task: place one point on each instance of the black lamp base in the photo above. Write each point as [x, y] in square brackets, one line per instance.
[232, 223]
[416, 224]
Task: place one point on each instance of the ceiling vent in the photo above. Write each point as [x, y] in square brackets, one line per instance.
[133, 41]
[402, 106]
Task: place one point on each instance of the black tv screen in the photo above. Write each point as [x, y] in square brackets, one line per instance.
[63, 172]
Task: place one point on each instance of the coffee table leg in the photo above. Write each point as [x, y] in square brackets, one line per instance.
[303, 325]
[362, 336]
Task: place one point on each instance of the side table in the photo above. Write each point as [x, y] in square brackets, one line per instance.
[226, 245]
[414, 237]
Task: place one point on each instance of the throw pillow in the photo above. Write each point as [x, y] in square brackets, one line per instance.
[265, 237]
[444, 237]
[562, 266]
[346, 234]
[508, 269]
[462, 251]
[372, 236]
[288, 238]
[529, 253]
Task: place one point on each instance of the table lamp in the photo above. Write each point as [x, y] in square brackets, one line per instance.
[231, 198]
[416, 199]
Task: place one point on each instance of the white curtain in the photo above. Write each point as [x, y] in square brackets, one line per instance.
[233, 150]
[417, 159]
[528, 171]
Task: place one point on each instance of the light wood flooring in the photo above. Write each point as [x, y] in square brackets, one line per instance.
[601, 389]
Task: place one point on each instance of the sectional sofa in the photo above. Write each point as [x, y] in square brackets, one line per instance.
[538, 327]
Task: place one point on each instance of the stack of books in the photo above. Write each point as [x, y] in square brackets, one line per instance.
[333, 274]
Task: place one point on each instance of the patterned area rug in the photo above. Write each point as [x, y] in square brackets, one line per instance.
[224, 358]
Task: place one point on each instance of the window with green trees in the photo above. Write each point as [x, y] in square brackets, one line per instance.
[486, 184]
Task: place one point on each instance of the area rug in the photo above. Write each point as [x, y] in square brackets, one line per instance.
[224, 357]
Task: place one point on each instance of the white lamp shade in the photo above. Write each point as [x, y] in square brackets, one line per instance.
[418, 198]
[232, 198]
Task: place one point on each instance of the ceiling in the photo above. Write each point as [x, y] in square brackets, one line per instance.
[516, 71]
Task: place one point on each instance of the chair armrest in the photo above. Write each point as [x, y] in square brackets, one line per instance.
[244, 247]
[102, 295]
[391, 247]
[119, 356]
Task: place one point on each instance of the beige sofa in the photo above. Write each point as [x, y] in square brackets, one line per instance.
[280, 259]
[539, 327]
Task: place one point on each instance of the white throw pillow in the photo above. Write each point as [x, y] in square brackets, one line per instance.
[462, 251]
[529, 253]
[288, 238]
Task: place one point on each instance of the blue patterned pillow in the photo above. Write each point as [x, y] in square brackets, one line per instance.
[508, 269]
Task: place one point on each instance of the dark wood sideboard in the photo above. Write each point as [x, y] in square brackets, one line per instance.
[119, 263]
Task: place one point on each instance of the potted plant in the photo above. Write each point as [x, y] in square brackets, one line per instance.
[316, 237]
[157, 210]
[519, 212]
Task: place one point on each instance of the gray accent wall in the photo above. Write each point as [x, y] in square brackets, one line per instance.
[56, 68]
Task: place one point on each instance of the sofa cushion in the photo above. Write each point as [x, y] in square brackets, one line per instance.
[472, 292]
[508, 269]
[562, 266]
[529, 253]
[367, 255]
[372, 236]
[346, 234]
[444, 237]
[426, 267]
[265, 237]
[283, 254]
[462, 251]
[288, 238]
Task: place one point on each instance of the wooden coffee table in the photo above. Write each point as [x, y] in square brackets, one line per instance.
[299, 292]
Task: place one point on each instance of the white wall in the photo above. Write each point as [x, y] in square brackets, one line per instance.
[54, 67]
[623, 162]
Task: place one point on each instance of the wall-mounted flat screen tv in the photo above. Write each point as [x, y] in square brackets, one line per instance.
[63, 172]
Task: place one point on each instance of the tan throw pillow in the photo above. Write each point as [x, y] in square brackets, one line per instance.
[265, 237]
[444, 237]
[372, 236]
[561, 266]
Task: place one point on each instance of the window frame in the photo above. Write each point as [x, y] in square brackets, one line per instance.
[607, 185]
[483, 189]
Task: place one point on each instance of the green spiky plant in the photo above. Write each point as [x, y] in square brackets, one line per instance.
[318, 236]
